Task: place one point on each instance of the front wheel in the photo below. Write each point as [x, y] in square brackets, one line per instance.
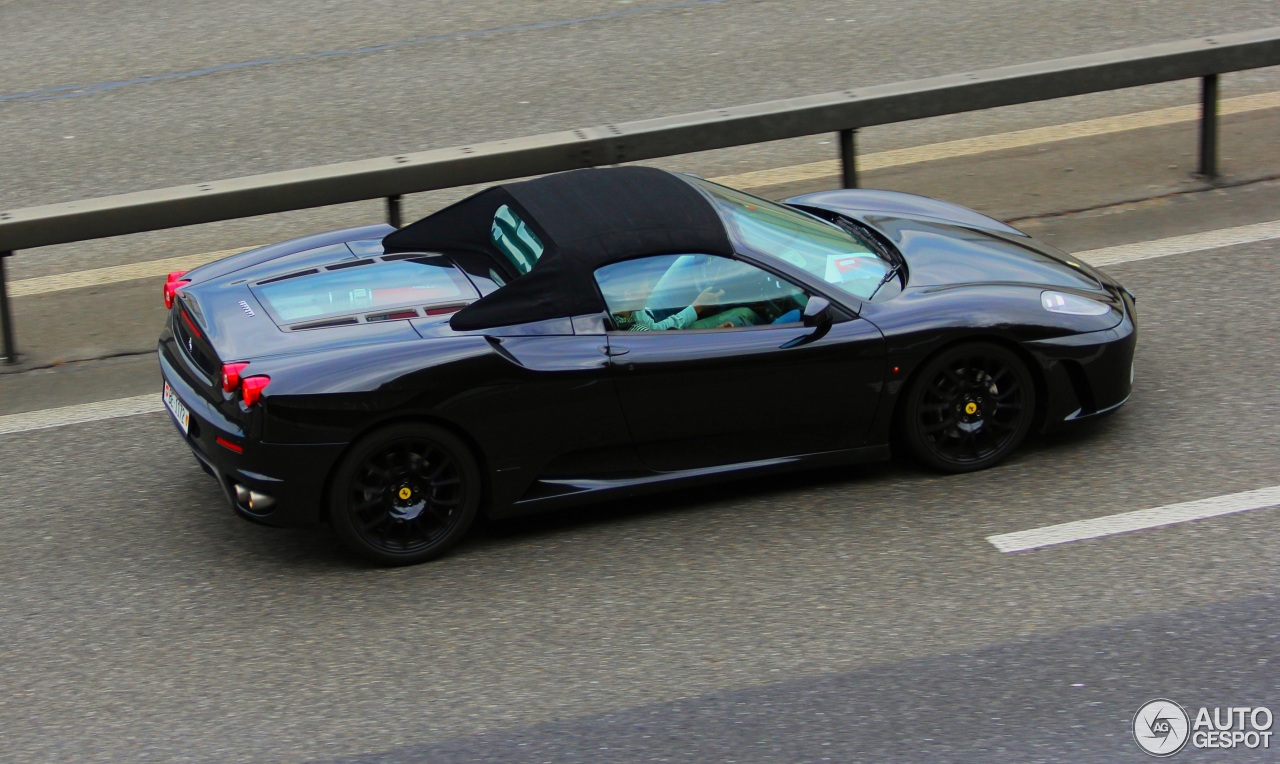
[404, 494]
[969, 407]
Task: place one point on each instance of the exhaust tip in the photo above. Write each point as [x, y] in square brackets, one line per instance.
[260, 502]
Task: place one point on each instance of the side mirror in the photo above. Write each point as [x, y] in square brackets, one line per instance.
[818, 313]
[818, 316]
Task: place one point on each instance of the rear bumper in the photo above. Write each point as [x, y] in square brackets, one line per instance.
[1087, 374]
[293, 476]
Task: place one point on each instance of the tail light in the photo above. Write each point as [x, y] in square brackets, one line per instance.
[251, 389]
[173, 282]
[231, 376]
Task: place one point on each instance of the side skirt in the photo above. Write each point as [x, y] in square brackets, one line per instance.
[565, 492]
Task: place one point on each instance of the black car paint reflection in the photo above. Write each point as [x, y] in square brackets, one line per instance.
[560, 409]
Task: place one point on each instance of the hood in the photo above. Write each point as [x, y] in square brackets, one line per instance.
[945, 244]
[856, 202]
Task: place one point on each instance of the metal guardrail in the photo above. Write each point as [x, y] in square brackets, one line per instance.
[842, 112]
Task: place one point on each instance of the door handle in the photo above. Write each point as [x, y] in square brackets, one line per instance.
[613, 351]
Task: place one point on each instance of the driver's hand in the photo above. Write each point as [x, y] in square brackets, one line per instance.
[710, 296]
[726, 325]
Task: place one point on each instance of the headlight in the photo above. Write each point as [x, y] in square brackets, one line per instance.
[1072, 304]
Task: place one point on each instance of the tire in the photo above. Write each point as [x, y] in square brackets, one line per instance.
[404, 494]
[969, 407]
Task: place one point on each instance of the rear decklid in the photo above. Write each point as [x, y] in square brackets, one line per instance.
[347, 243]
[348, 301]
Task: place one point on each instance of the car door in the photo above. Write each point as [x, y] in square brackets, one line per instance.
[745, 380]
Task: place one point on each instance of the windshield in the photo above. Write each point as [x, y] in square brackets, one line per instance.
[824, 250]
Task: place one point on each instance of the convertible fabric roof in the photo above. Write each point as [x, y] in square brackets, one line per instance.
[585, 219]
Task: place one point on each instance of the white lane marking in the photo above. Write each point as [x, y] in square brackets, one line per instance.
[1181, 245]
[116, 273]
[1135, 521]
[988, 143]
[748, 180]
[144, 404]
[84, 412]
[1176, 245]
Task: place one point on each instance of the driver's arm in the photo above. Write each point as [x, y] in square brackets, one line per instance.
[704, 303]
[644, 320]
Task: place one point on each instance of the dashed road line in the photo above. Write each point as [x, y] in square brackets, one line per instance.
[78, 414]
[1142, 519]
[1181, 245]
[749, 180]
[1176, 245]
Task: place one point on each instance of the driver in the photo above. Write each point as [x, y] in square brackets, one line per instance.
[692, 317]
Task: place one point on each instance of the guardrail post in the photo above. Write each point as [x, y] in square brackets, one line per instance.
[393, 211]
[1209, 126]
[6, 315]
[848, 158]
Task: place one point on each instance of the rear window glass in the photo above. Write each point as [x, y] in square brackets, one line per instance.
[515, 239]
[399, 284]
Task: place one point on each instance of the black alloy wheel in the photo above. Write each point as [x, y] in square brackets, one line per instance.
[404, 494]
[969, 407]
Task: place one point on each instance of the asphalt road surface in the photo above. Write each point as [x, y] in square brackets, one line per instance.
[102, 97]
[841, 615]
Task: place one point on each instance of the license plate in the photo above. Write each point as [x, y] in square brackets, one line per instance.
[179, 411]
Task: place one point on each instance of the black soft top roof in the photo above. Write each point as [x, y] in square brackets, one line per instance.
[585, 219]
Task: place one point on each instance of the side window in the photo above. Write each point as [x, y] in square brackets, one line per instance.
[515, 240]
[695, 292]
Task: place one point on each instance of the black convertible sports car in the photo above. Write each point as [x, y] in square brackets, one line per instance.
[611, 331]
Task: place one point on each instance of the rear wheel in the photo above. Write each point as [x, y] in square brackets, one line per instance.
[969, 407]
[404, 494]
